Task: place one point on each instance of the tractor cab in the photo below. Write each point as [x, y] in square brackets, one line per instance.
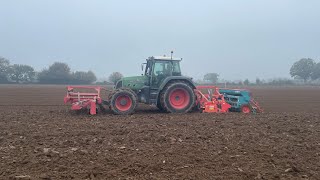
[160, 67]
[156, 70]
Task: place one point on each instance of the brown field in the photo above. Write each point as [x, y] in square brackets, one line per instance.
[41, 139]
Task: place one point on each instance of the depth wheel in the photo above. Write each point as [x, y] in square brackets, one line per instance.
[177, 97]
[123, 102]
[245, 109]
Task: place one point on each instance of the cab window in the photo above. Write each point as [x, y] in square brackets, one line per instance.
[161, 70]
[176, 69]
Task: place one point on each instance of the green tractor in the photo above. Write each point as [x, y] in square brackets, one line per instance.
[161, 85]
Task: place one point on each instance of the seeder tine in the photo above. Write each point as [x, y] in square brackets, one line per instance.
[256, 105]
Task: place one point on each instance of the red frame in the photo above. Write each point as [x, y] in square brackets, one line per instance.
[80, 100]
[215, 103]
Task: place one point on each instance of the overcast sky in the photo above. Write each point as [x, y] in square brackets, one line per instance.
[236, 38]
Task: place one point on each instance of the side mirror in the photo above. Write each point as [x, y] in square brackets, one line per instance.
[141, 67]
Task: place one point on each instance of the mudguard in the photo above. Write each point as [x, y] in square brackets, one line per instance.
[173, 78]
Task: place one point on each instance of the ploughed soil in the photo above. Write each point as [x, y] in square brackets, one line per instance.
[40, 138]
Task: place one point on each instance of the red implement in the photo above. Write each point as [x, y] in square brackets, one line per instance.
[84, 100]
[211, 101]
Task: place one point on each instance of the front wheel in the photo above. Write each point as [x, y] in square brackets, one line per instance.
[123, 102]
[177, 97]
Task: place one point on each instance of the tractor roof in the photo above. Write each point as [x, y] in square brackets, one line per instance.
[165, 58]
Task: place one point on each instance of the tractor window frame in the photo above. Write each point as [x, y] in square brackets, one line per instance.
[148, 68]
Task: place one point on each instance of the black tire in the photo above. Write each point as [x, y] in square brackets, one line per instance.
[188, 98]
[128, 89]
[196, 108]
[123, 102]
[159, 105]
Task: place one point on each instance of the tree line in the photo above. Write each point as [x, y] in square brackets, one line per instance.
[306, 70]
[57, 73]
[213, 79]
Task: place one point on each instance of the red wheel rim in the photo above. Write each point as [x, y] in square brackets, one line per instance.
[179, 98]
[123, 103]
[246, 109]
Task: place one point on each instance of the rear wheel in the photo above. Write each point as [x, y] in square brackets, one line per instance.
[123, 102]
[177, 97]
[246, 109]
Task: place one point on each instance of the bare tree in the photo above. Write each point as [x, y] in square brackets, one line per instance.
[258, 81]
[246, 82]
[211, 77]
[115, 77]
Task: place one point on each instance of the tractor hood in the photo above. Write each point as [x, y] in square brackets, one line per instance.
[133, 82]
